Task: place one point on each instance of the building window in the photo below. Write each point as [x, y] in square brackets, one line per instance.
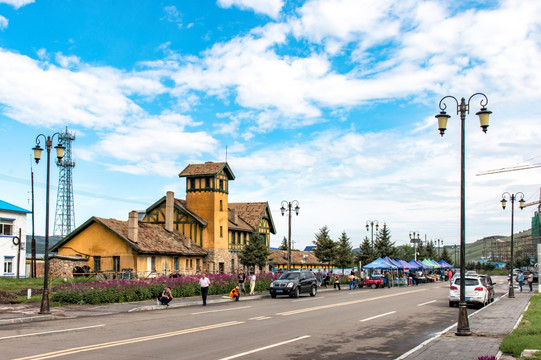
[8, 265]
[191, 263]
[221, 184]
[186, 264]
[221, 205]
[176, 264]
[6, 227]
[116, 263]
[207, 183]
[97, 263]
[153, 263]
[197, 264]
[244, 238]
[232, 265]
[221, 231]
[192, 184]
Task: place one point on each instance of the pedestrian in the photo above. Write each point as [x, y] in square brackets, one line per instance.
[327, 280]
[520, 279]
[165, 297]
[319, 278]
[351, 279]
[234, 294]
[450, 275]
[530, 280]
[389, 278]
[204, 282]
[252, 284]
[337, 282]
[241, 277]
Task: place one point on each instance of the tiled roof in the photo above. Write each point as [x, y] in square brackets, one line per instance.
[153, 238]
[208, 168]
[249, 212]
[13, 208]
[297, 257]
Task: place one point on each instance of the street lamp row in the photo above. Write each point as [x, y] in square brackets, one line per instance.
[370, 224]
[286, 206]
[512, 197]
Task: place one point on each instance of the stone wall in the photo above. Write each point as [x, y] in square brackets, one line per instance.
[62, 266]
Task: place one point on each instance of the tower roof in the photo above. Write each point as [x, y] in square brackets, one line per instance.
[207, 169]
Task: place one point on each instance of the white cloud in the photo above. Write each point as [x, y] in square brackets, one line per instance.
[16, 3]
[271, 8]
[3, 22]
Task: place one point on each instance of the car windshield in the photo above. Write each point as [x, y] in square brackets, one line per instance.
[289, 276]
[468, 282]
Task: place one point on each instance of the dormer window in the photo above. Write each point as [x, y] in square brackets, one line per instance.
[192, 183]
[207, 183]
[221, 184]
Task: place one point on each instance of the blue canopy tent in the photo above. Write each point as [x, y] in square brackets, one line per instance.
[445, 265]
[414, 265]
[379, 263]
[393, 262]
[406, 264]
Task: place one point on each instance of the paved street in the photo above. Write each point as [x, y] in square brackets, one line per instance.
[367, 324]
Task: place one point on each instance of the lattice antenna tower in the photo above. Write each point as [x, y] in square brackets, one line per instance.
[64, 220]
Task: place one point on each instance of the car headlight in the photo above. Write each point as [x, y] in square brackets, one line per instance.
[290, 285]
[272, 284]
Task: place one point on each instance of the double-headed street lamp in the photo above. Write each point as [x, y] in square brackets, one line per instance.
[415, 241]
[44, 309]
[283, 209]
[512, 197]
[370, 224]
[463, 108]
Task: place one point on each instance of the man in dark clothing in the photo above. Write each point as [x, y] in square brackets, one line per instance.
[241, 279]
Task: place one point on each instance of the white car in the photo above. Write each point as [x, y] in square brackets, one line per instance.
[476, 293]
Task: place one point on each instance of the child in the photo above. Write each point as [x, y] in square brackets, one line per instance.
[234, 293]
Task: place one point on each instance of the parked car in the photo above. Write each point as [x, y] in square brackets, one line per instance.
[489, 284]
[471, 272]
[294, 283]
[476, 292]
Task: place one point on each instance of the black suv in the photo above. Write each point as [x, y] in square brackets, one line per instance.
[293, 283]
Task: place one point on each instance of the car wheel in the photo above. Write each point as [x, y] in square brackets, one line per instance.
[313, 291]
[273, 295]
[451, 304]
[297, 292]
[374, 286]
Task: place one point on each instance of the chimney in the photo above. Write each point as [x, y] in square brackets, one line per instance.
[169, 207]
[235, 219]
[187, 242]
[133, 226]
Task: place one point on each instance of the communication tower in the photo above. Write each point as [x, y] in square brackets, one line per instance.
[64, 220]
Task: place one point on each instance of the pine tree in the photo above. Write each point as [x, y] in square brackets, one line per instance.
[255, 252]
[445, 256]
[383, 245]
[283, 246]
[344, 252]
[430, 250]
[405, 252]
[365, 255]
[325, 249]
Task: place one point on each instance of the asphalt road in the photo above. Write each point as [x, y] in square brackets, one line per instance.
[357, 324]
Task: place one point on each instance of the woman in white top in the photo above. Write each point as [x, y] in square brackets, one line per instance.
[252, 284]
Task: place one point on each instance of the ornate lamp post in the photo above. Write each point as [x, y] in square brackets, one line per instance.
[370, 224]
[463, 108]
[512, 197]
[283, 209]
[44, 309]
[415, 241]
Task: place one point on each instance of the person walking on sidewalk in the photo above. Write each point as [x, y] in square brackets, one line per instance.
[520, 279]
[252, 284]
[530, 280]
[204, 282]
[337, 282]
[241, 277]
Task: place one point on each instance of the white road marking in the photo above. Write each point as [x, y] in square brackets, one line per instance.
[310, 298]
[264, 348]
[260, 318]
[377, 316]
[51, 332]
[428, 302]
[213, 311]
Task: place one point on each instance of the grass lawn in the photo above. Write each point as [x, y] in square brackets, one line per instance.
[528, 333]
[17, 288]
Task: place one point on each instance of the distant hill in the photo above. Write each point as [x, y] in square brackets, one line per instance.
[40, 243]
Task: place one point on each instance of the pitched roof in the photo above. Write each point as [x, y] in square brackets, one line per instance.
[297, 257]
[208, 168]
[249, 214]
[4, 205]
[151, 238]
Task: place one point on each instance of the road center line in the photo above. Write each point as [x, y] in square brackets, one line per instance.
[264, 348]
[213, 311]
[352, 302]
[377, 316]
[126, 341]
[428, 302]
[308, 299]
[50, 332]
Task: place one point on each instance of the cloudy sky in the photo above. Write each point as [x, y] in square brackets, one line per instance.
[328, 102]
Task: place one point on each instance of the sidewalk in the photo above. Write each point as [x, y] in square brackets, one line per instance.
[488, 326]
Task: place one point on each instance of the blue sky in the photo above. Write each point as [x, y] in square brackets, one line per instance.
[328, 102]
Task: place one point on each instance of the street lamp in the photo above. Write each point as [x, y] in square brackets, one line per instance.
[370, 224]
[283, 209]
[44, 309]
[415, 241]
[463, 108]
[512, 197]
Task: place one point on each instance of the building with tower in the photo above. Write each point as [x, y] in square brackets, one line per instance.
[203, 232]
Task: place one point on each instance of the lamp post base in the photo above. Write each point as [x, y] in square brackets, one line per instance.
[45, 309]
[511, 294]
[463, 327]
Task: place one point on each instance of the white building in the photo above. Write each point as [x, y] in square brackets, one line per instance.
[12, 224]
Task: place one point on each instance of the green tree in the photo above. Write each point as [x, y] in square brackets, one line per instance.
[344, 252]
[383, 245]
[405, 252]
[430, 250]
[365, 256]
[445, 256]
[283, 245]
[325, 249]
[255, 252]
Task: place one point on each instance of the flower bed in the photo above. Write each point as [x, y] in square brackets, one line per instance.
[117, 291]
